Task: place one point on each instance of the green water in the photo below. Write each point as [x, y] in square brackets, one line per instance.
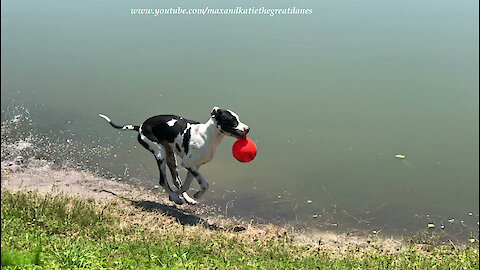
[330, 97]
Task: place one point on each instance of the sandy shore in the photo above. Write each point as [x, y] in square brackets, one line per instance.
[147, 206]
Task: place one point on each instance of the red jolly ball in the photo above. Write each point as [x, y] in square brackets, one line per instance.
[244, 150]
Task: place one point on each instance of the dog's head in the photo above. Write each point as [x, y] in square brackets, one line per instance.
[229, 123]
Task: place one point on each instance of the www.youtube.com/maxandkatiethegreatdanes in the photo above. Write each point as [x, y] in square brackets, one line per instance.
[221, 11]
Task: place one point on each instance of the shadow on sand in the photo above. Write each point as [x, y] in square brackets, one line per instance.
[180, 216]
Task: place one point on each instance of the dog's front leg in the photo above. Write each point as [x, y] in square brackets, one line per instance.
[186, 184]
[192, 165]
[201, 181]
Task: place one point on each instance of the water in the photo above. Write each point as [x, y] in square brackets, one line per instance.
[331, 99]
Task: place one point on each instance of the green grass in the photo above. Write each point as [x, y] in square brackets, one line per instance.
[56, 232]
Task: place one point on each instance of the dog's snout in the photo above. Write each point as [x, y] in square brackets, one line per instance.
[247, 129]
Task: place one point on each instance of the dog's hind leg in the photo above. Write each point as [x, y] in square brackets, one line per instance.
[150, 142]
[172, 165]
[164, 183]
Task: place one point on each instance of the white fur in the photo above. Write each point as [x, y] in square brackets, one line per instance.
[105, 117]
[172, 122]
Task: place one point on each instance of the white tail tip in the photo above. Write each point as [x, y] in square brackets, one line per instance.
[104, 117]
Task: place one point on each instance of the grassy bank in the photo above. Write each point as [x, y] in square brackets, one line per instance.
[57, 232]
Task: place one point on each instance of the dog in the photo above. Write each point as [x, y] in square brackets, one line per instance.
[195, 143]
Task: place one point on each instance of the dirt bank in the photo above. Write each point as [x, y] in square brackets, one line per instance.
[146, 207]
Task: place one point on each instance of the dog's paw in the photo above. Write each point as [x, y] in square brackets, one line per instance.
[188, 199]
[175, 198]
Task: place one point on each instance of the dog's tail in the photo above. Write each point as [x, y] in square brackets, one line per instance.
[126, 127]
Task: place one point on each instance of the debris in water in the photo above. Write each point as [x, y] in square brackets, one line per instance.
[472, 240]
[452, 220]
[309, 201]
[315, 216]
[431, 225]
[470, 213]
[442, 227]
[400, 156]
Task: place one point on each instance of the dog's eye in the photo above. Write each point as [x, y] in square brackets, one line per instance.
[229, 120]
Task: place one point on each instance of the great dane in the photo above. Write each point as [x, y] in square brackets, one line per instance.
[195, 143]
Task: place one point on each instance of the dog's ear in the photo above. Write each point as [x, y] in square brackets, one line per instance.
[216, 111]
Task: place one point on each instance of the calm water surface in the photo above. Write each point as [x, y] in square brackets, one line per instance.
[331, 99]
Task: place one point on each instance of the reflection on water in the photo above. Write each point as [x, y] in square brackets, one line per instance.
[331, 99]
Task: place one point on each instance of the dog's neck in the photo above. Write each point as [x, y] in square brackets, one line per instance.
[213, 133]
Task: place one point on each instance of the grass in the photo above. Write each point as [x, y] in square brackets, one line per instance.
[58, 232]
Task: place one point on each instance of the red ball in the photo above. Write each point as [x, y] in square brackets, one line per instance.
[244, 150]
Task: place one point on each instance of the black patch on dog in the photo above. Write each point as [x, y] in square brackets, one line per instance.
[178, 148]
[163, 131]
[186, 140]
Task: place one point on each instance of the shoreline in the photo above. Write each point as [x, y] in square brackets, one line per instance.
[148, 204]
[67, 209]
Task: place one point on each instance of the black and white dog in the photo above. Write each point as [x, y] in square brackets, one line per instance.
[195, 143]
